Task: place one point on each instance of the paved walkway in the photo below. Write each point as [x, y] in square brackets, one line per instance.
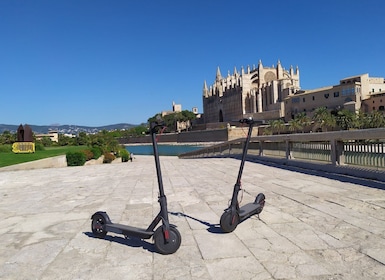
[313, 226]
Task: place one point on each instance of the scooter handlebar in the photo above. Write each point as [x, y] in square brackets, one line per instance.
[156, 124]
[247, 120]
[159, 122]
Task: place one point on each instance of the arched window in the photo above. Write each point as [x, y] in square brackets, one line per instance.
[220, 116]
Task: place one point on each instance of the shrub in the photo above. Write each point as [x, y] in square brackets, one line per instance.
[124, 154]
[75, 158]
[6, 148]
[88, 153]
[46, 141]
[97, 152]
[39, 146]
[108, 158]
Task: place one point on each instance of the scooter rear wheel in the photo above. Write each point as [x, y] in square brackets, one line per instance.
[229, 222]
[98, 226]
[260, 199]
[167, 247]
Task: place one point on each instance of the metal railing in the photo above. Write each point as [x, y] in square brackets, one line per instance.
[363, 148]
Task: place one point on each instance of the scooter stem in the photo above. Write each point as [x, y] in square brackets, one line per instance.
[162, 197]
[153, 127]
[244, 153]
[237, 187]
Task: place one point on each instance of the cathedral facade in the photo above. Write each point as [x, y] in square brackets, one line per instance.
[258, 92]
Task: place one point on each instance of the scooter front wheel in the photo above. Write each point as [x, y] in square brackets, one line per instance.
[229, 221]
[260, 199]
[167, 247]
[98, 226]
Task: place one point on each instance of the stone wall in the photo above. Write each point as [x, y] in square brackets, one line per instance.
[214, 135]
[240, 132]
[58, 161]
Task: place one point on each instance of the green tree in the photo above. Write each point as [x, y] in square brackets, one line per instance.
[7, 137]
[267, 130]
[171, 119]
[303, 120]
[187, 115]
[82, 139]
[95, 140]
[295, 125]
[106, 141]
[323, 118]
[346, 119]
[139, 130]
[375, 119]
[277, 125]
[361, 120]
[64, 140]
[46, 141]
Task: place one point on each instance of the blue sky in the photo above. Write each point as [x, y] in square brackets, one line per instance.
[94, 63]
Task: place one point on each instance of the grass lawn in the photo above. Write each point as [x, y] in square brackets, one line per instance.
[10, 158]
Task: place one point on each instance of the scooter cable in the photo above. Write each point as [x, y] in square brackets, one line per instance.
[243, 130]
[160, 133]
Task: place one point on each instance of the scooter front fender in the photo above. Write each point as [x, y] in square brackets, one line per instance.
[105, 216]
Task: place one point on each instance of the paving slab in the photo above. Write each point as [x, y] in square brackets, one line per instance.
[315, 225]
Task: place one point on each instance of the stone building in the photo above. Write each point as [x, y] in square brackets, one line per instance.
[269, 93]
[179, 125]
[376, 102]
[355, 93]
[52, 134]
[258, 92]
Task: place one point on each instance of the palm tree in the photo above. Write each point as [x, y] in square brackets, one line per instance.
[376, 119]
[277, 125]
[323, 118]
[346, 119]
[362, 120]
[267, 130]
[303, 120]
[295, 125]
[270, 128]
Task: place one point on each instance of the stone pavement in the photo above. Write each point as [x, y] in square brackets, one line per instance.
[314, 225]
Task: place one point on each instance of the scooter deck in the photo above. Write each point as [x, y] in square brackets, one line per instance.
[248, 210]
[129, 231]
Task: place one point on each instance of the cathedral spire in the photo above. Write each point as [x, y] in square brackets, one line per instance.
[260, 66]
[205, 89]
[205, 85]
[219, 76]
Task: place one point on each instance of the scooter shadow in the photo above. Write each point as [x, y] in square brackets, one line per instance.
[130, 241]
[213, 228]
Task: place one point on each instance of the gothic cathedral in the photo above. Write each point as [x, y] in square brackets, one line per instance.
[257, 93]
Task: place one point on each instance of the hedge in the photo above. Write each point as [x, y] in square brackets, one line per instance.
[75, 158]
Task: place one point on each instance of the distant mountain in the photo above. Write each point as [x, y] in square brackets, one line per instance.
[67, 129]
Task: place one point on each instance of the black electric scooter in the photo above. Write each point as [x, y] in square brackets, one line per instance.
[167, 238]
[234, 214]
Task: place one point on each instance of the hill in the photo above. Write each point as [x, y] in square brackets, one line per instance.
[67, 129]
